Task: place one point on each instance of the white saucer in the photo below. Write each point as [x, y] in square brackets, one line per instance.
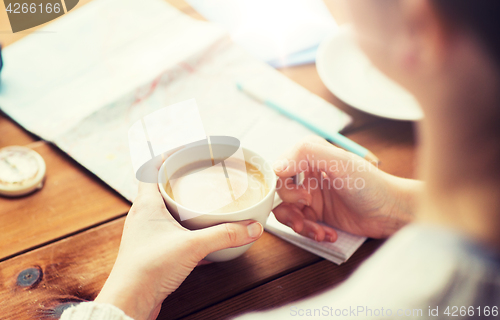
[348, 74]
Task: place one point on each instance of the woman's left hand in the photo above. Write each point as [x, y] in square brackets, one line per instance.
[156, 254]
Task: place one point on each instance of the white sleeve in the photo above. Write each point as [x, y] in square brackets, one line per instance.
[417, 273]
[94, 311]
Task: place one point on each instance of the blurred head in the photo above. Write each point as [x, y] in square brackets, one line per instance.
[421, 42]
[447, 53]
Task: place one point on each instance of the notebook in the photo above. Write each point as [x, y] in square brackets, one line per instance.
[337, 252]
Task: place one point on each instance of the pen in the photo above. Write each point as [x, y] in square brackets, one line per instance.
[336, 138]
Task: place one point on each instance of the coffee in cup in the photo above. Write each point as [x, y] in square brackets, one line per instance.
[199, 191]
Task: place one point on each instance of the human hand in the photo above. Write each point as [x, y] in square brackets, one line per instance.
[156, 254]
[341, 190]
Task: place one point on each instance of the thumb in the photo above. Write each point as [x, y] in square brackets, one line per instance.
[229, 235]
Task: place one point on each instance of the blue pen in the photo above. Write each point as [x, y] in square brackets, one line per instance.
[336, 138]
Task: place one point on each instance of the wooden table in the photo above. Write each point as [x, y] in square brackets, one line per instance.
[62, 240]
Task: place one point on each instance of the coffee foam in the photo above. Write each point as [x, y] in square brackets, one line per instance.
[207, 190]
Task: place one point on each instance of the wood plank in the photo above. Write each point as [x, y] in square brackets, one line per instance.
[72, 199]
[294, 286]
[12, 134]
[74, 269]
[393, 142]
[269, 258]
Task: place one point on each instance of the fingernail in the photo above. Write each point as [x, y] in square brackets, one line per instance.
[312, 235]
[290, 225]
[254, 230]
[330, 238]
[280, 165]
[303, 201]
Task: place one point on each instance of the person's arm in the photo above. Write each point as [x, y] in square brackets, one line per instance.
[156, 254]
[341, 190]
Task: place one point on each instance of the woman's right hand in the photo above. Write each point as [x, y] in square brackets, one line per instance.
[341, 190]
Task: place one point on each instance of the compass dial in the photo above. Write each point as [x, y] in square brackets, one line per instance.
[21, 171]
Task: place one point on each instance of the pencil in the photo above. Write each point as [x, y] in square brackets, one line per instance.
[336, 138]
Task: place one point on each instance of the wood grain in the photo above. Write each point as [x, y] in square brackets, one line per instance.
[268, 259]
[12, 134]
[393, 142]
[303, 283]
[72, 199]
[74, 269]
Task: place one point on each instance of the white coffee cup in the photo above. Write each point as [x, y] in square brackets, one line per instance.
[258, 212]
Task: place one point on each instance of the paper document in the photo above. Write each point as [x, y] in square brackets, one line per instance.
[89, 82]
[110, 63]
